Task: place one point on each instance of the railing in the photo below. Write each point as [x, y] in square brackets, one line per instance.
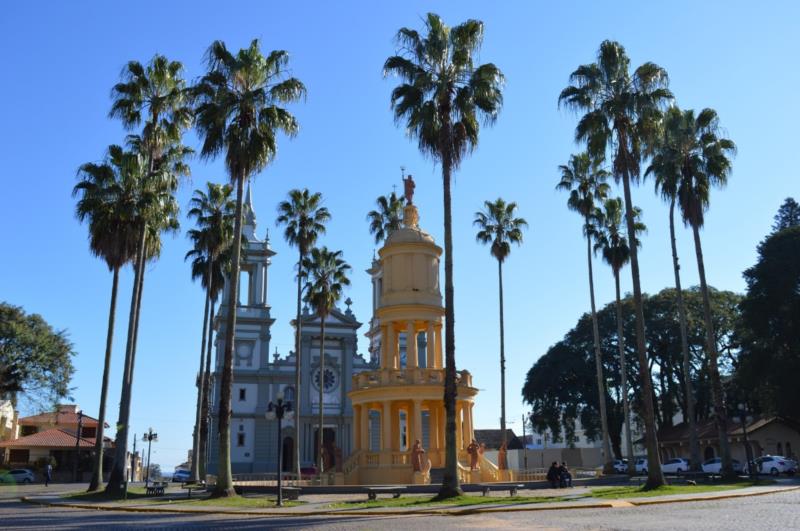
[540, 474]
[267, 480]
[352, 462]
[400, 458]
[388, 377]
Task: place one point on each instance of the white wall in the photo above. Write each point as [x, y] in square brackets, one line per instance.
[248, 405]
[245, 453]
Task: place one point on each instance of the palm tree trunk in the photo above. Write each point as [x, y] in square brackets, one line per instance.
[502, 357]
[97, 469]
[206, 394]
[694, 444]
[195, 472]
[298, 332]
[117, 478]
[224, 487]
[623, 375]
[608, 466]
[320, 439]
[450, 483]
[655, 478]
[720, 413]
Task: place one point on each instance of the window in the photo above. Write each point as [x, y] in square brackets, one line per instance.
[242, 394]
[240, 439]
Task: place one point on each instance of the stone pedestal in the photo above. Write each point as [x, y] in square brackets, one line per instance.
[421, 478]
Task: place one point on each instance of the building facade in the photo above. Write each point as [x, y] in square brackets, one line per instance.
[258, 374]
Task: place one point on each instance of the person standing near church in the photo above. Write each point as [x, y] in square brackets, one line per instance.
[48, 474]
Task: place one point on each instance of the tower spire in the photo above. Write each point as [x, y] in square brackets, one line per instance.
[249, 215]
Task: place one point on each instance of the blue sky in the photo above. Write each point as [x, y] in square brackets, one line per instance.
[63, 58]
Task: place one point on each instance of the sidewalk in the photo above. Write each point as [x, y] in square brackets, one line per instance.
[319, 504]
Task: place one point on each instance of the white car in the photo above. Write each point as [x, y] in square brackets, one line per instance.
[775, 465]
[18, 476]
[714, 466]
[641, 466]
[676, 465]
[621, 466]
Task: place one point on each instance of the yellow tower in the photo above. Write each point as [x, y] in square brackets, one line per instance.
[402, 401]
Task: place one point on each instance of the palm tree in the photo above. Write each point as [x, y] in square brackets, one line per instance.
[326, 274]
[213, 212]
[585, 180]
[440, 100]
[238, 113]
[105, 202]
[155, 96]
[621, 114]
[667, 177]
[499, 227]
[387, 218]
[305, 220]
[613, 245]
[693, 158]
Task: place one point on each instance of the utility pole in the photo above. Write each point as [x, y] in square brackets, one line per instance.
[525, 443]
[149, 437]
[77, 446]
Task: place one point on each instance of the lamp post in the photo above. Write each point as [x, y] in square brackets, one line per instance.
[748, 451]
[149, 437]
[277, 410]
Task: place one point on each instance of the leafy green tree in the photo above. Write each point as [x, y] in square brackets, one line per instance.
[387, 218]
[770, 334]
[584, 179]
[499, 227]
[106, 194]
[616, 252]
[35, 359]
[304, 217]
[699, 159]
[788, 215]
[622, 110]
[238, 113]
[326, 274]
[212, 210]
[441, 98]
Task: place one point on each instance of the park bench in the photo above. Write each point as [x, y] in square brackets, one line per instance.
[155, 489]
[291, 493]
[372, 492]
[510, 487]
[195, 485]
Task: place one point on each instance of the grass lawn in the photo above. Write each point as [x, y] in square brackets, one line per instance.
[666, 490]
[137, 495]
[426, 501]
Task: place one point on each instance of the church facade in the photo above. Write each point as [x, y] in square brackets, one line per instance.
[259, 375]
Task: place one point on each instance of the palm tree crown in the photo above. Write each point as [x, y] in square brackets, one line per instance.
[326, 272]
[609, 237]
[387, 218]
[304, 217]
[498, 227]
[213, 211]
[585, 180]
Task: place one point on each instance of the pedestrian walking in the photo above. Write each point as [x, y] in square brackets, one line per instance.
[48, 474]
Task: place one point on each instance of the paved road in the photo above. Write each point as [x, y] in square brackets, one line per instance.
[773, 511]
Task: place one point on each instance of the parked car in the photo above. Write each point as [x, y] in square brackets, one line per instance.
[641, 466]
[675, 465]
[621, 466]
[774, 465]
[714, 466]
[181, 476]
[18, 475]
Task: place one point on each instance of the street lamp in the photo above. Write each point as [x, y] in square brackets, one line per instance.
[277, 410]
[149, 437]
[748, 451]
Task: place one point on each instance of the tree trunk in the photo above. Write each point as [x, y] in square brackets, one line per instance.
[297, 341]
[450, 483]
[655, 478]
[206, 395]
[694, 445]
[195, 472]
[502, 357]
[224, 487]
[116, 480]
[97, 469]
[320, 439]
[608, 464]
[626, 409]
[720, 413]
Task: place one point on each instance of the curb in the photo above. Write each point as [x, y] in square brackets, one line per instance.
[424, 512]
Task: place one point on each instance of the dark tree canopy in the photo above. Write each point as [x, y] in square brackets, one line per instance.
[788, 215]
[770, 330]
[35, 359]
[562, 388]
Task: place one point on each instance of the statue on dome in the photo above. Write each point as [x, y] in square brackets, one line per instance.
[408, 186]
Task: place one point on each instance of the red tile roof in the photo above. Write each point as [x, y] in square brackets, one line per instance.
[58, 418]
[52, 438]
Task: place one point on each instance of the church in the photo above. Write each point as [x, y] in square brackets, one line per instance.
[259, 375]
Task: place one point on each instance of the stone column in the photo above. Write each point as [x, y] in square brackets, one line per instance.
[433, 426]
[411, 346]
[430, 348]
[364, 431]
[468, 436]
[439, 364]
[386, 423]
[417, 416]
[459, 428]
[384, 346]
[391, 347]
